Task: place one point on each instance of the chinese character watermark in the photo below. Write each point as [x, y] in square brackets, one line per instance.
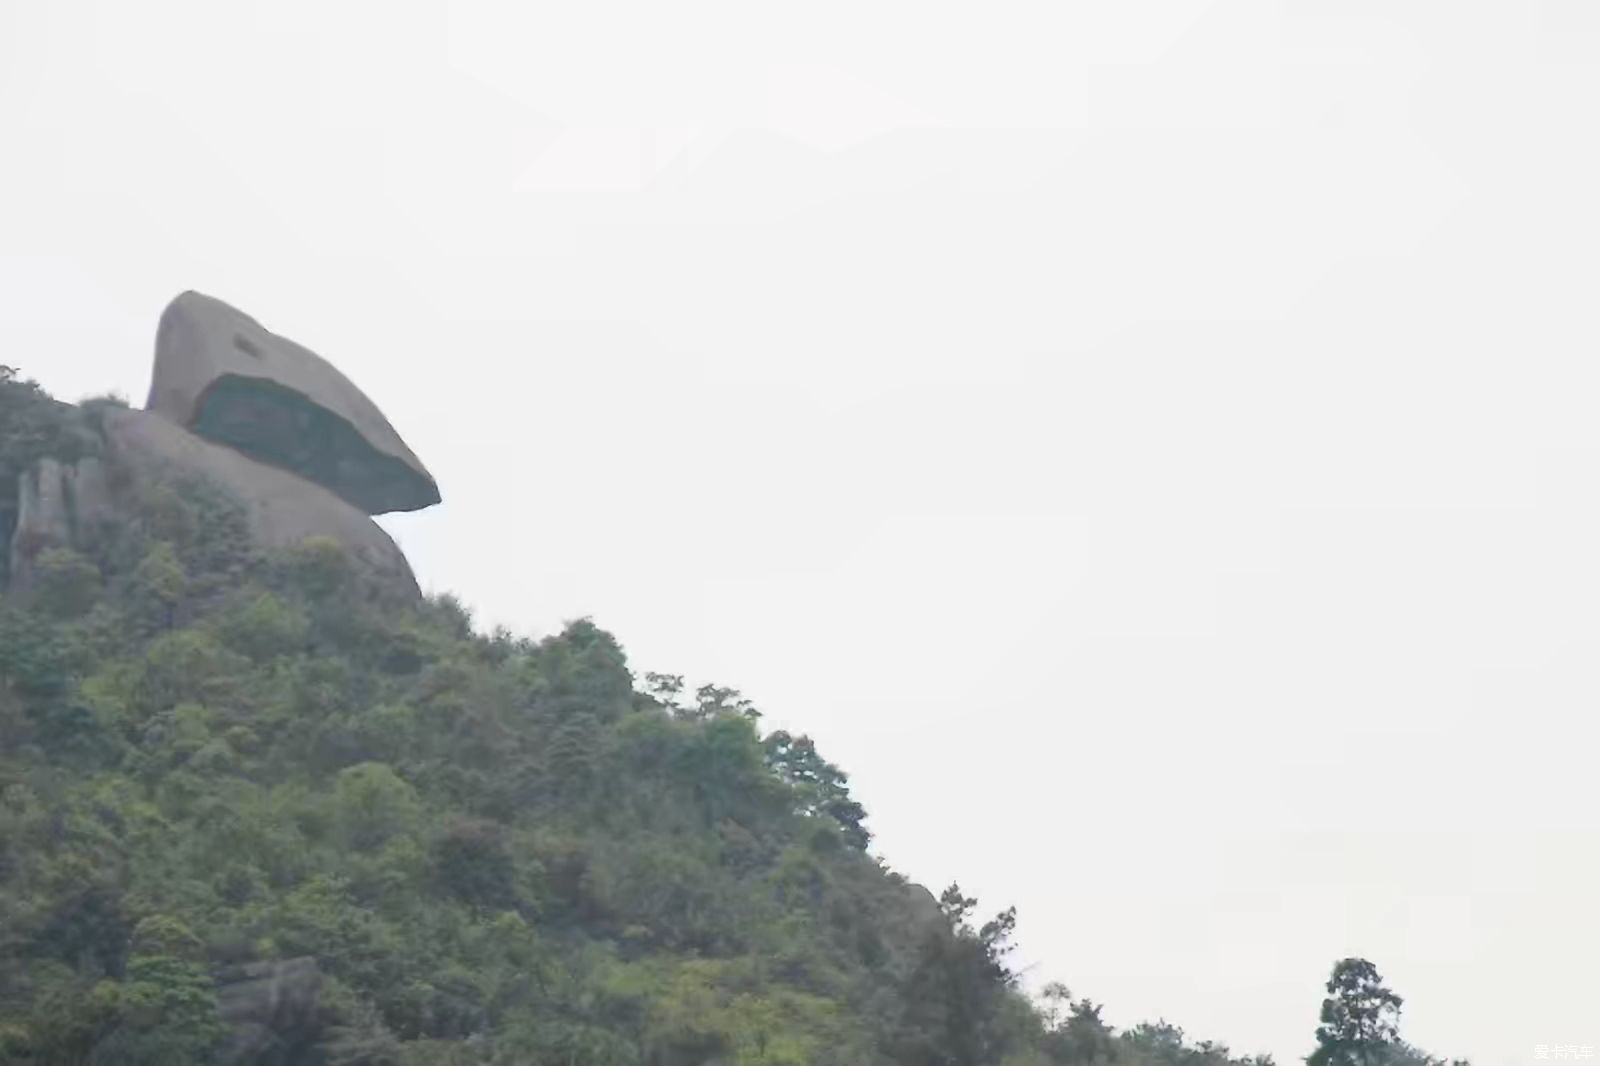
[1563, 1052]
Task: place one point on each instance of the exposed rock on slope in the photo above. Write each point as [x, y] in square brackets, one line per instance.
[58, 503]
[271, 1010]
[222, 374]
[283, 511]
[273, 426]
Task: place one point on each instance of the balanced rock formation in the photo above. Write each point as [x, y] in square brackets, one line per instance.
[274, 427]
[223, 375]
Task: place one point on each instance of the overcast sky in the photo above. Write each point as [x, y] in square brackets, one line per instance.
[1155, 448]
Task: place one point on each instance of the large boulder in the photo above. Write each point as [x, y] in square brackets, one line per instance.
[283, 510]
[223, 375]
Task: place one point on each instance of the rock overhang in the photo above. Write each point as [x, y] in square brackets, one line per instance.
[225, 377]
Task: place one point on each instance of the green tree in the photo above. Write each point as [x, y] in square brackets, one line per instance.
[820, 788]
[36, 656]
[158, 585]
[472, 862]
[67, 583]
[265, 628]
[165, 1004]
[1084, 1037]
[956, 993]
[1360, 1017]
[372, 803]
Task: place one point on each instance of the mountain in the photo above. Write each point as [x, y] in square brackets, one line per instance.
[261, 802]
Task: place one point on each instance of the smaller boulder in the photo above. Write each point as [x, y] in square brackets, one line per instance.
[57, 503]
[271, 1010]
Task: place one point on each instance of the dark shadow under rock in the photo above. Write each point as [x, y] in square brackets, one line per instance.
[223, 375]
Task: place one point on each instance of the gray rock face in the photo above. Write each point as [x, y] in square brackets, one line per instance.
[924, 907]
[267, 422]
[271, 1011]
[283, 510]
[57, 504]
[223, 375]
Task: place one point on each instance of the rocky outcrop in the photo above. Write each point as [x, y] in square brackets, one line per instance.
[223, 375]
[283, 511]
[58, 504]
[271, 1011]
[923, 907]
[273, 426]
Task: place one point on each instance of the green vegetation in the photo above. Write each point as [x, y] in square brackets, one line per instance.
[1361, 1022]
[498, 851]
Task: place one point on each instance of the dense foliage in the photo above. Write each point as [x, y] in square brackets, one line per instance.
[497, 851]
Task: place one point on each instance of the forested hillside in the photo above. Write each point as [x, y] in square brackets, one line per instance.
[226, 770]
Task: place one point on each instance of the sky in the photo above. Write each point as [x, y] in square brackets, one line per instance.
[1152, 447]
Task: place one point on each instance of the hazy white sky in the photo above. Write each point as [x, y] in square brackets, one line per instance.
[1154, 447]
